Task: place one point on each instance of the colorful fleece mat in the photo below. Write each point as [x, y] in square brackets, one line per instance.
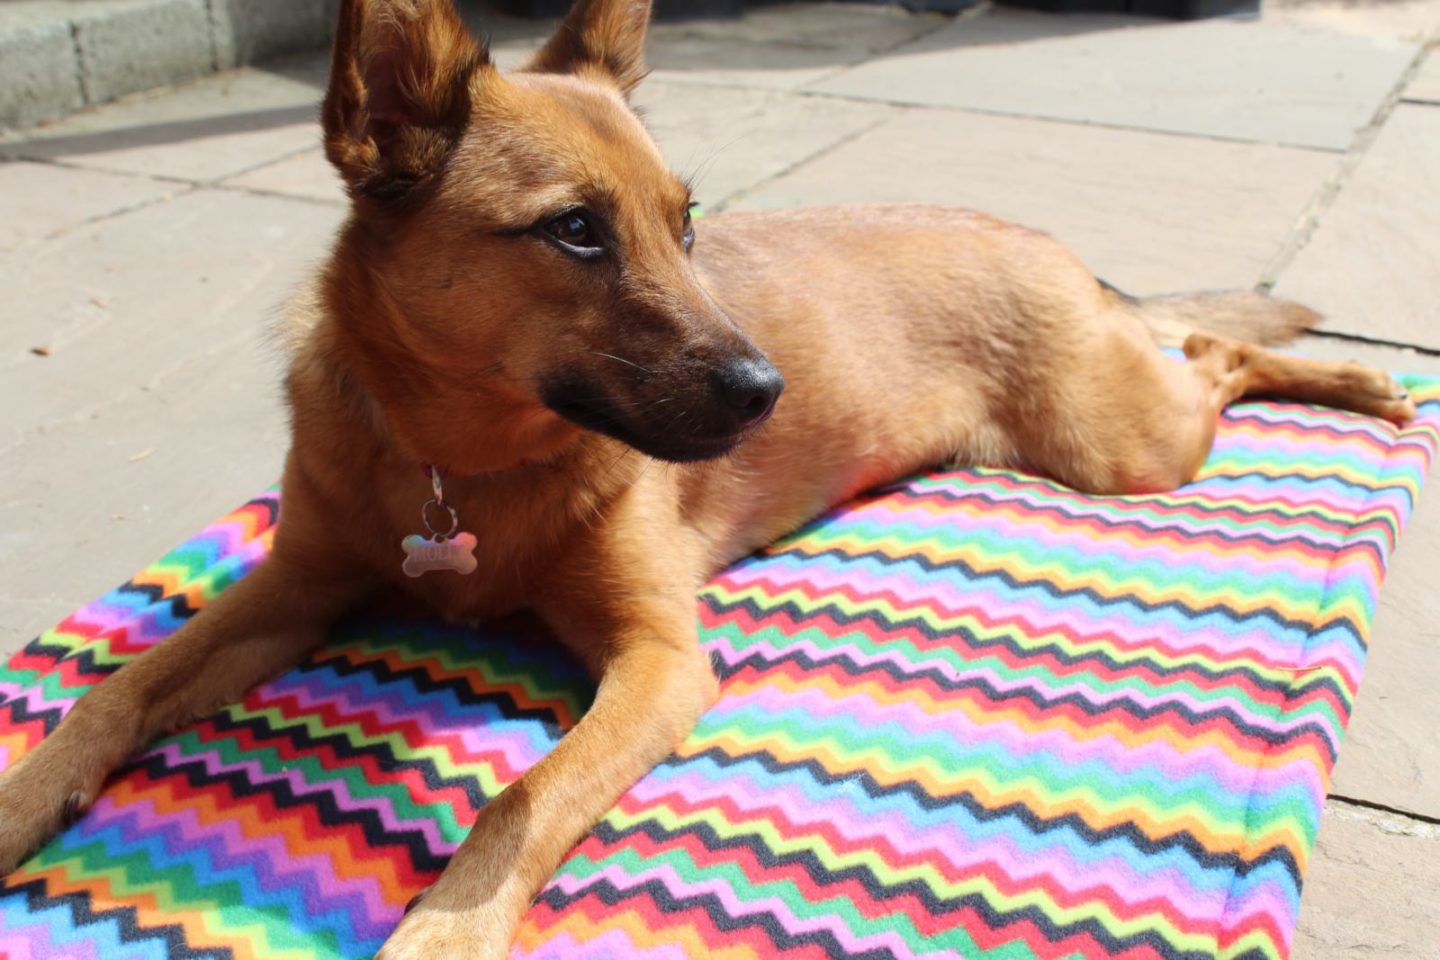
[972, 715]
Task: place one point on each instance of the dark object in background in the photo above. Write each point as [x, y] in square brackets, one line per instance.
[1173, 9]
[933, 6]
[663, 9]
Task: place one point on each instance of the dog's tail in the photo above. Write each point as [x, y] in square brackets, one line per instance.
[1238, 314]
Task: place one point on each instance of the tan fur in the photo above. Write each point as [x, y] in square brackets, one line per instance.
[448, 329]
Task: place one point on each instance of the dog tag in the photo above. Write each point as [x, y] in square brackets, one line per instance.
[449, 550]
[426, 554]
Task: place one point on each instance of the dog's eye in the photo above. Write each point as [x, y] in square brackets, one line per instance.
[687, 236]
[574, 229]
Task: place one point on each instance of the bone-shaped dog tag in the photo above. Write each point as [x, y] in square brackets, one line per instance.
[425, 554]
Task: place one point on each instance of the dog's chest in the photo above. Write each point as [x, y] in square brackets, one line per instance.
[493, 588]
[481, 565]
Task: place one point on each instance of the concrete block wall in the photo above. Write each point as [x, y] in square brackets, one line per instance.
[57, 56]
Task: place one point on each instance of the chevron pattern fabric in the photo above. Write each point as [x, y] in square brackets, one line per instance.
[971, 715]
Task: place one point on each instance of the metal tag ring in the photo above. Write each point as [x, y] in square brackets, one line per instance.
[454, 519]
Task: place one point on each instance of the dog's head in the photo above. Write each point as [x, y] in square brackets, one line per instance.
[517, 264]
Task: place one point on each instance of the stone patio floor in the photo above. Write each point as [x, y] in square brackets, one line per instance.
[145, 245]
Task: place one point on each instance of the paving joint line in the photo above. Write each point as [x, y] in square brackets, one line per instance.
[1386, 808]
[79, 65]
[970, 13]
[981, 111]
[280, 195]
[261, 165]
[66, 164]
[1328, 192]
[213, 25]
[792, 167]
[111, 214]
[189, 187]
[151, 387]
[1373, 341]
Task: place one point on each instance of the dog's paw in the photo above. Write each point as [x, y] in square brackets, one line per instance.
[1398, 405]
[1375, 392]
[31, 813]
[431, 933]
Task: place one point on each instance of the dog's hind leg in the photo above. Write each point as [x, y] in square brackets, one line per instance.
[253, 630]
[1232, 369]
[1120, 417]
[1222, 333]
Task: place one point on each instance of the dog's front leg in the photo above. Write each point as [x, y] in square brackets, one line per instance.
[630, 614]
[250, 632]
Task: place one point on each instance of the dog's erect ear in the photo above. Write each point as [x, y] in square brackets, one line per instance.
[399, 94]
[605, 36]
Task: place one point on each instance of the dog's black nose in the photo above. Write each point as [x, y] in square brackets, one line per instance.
[748, 389]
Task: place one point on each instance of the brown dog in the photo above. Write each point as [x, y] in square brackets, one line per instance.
[515, 300]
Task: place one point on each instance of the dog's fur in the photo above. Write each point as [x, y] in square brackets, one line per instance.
[451, 327]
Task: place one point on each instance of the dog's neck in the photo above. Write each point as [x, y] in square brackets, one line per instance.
[407, 408]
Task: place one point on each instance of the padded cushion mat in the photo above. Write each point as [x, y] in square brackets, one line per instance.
[973, 714]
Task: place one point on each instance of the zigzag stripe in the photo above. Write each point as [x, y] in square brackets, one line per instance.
[1140, 714]
[124, 921]
[364, 823]
[1179, 840]
[758, 708]
[1102, 600]
[658, 893]
[736, 631]
[797, 618]
[940, 673]
[920, 511]
[865, 875]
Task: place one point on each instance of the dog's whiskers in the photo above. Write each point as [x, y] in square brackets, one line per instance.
[628, 363]
[694, 180]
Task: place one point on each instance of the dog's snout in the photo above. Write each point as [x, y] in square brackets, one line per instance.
[748, 388]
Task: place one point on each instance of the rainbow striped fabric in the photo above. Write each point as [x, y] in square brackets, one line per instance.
[972, 715]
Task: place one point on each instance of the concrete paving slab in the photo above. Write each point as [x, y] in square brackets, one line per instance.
[1425, 86]
[217, 127]
[308, 175]
[782, 46]
[1370, 889]
[120, 304]
[150, 472]
[1373, 264]
[728, 140]
[1129, 202]
[1280, 83]
[38, 201]
[158, 403]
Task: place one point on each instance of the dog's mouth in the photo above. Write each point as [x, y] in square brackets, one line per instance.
[677, 436]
